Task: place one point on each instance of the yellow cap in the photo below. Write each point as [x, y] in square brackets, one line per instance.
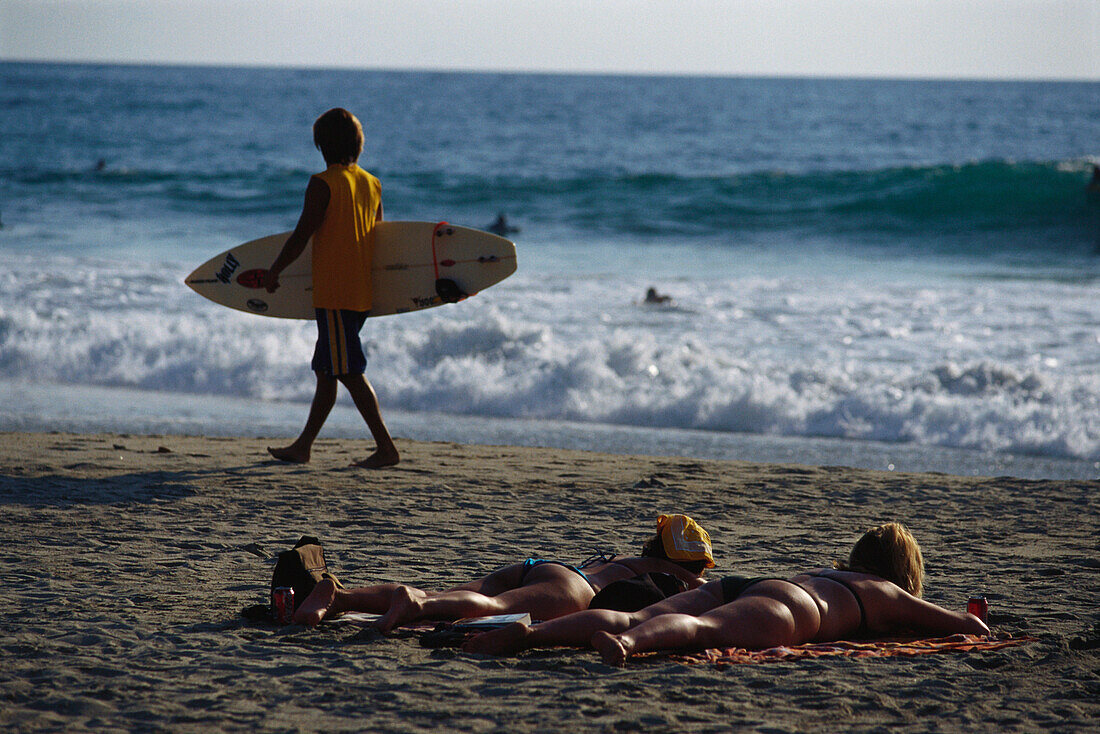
[684, 539]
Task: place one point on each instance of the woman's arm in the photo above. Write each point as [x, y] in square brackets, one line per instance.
[640, 565]
[905, 611]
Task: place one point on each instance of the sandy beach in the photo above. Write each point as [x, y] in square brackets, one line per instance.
[129, 558]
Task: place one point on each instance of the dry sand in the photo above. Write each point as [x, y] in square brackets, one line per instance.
[126, 568]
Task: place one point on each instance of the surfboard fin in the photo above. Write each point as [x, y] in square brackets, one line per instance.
[448, 291]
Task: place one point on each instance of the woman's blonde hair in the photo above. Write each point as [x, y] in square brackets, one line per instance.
[891, 552]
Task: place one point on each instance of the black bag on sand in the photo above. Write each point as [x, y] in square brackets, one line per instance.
[630, 595]
[301, 568]
[445, 634]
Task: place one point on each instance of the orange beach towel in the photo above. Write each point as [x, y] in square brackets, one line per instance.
[870, 649]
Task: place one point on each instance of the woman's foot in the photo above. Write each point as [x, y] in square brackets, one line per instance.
[406, 605]
[508, 640]
[611, 648]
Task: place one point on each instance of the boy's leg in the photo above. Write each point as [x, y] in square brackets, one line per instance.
[340, 349]
[323, 400]
[338, 352]
[366, 401]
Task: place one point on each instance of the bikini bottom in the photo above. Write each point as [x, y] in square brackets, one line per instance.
[735, 586]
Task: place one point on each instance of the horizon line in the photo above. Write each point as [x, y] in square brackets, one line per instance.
[595, 72]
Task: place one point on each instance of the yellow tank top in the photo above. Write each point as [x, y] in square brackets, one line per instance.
[343, 246]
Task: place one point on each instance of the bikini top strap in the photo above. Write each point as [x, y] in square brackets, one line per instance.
[598, 557]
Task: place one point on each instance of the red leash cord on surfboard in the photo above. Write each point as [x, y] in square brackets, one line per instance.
[445, 288]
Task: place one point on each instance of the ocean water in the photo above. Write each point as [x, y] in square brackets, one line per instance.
[891, 274]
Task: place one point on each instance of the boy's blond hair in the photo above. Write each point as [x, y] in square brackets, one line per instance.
[891, 552]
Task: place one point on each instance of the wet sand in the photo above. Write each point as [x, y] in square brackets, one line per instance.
[128, 562]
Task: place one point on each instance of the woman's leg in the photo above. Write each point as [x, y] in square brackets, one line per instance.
[548, 590]
[576, 630]
[327, 600]
[773, 613]
[666, 632]
[571, 630]
[499, 581]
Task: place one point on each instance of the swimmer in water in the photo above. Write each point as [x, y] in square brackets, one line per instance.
[501, 227]
[652, 296]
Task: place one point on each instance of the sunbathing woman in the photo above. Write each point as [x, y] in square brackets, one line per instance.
[877, 591]
[545, 589]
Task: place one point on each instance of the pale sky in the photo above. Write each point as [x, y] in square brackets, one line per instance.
[987, 39]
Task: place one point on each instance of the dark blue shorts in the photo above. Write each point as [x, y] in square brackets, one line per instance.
[339, 351]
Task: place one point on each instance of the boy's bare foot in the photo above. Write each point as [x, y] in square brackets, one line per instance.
[320, 602]
[379, 459]
[291, 454]
[508, 640]
[406, 604]
[611, 648]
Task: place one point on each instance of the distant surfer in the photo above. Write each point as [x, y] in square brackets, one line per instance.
[342, 206]
[101, 165]
[1094, 183]
[652, 296]
[501, 226]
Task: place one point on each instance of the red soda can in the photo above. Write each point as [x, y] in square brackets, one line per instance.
[978, 606]
[282, 604]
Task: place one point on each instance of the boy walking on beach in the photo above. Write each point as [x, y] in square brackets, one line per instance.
[341, 207]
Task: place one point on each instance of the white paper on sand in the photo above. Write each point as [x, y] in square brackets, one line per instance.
[493, 621]
[472, 623]
[354, 618]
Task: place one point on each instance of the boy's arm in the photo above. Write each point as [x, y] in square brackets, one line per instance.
[313, 213]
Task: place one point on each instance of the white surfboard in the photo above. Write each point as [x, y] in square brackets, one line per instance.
[414, 263]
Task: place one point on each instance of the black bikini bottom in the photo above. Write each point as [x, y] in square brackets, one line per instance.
[735, 586]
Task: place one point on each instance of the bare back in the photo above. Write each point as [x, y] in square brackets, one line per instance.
[620, 568]
[856, 604]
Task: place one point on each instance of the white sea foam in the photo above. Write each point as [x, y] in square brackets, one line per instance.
[1001, 365]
